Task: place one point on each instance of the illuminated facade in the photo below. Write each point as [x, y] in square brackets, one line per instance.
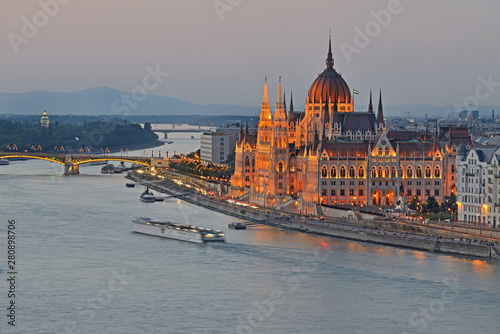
[332, 155]
[478, 185]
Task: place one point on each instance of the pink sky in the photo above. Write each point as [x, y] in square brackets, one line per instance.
[431, 52]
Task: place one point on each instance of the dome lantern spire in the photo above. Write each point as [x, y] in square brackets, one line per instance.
[329, 59]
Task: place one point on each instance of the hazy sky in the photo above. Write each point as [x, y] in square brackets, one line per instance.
[429, 51]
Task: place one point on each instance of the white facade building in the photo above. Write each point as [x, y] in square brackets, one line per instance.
[478, 185]
[215, 147]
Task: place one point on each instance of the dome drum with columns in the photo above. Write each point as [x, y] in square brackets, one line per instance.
[331, 155]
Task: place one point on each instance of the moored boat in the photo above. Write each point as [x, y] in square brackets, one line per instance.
[237, 226]
[147, 196]
[130, 184]
[4, 162]
[176, 231]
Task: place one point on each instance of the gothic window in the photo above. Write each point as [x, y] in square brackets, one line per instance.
[419, 171]
[427, 171]
[342, 192]
[374, 171]
[352, 172]
[380, 172]
[387, 151]
[453, 168]
[342, 171]
[247, 161]
[380, 151]
[324, 171]
[333, 192]
[280, 166]
[360, 192]
[253, 161]
[323, 192]
[409, 172]
[437, 172]
[333, 172]
[247, 178]
[394, 172]
[361, 172]
[292, 167]
[387, 171]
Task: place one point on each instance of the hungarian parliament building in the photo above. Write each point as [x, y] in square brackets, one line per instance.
[332, 155]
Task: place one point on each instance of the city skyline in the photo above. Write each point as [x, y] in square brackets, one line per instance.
[221, 51]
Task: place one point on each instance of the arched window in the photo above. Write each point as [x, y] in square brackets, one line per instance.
[324, 171]
[394, 173]
[387, 171]
[374, 171]
[342, 171]
[253, 162]
[380, 151]
[387, 151]
[419, 171]
[453, 168]
[401, 168]
[409, 172]
[333, 172]
[427, 171]
[437, 172]
[352, 172]
[361, 172]
[280, 167]
[247, 161]
[380, 173]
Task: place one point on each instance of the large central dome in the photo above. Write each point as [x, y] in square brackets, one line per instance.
[329, 84]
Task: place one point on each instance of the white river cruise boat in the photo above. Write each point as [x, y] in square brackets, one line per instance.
[175, 231]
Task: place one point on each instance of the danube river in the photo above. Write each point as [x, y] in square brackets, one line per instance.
[81, 270]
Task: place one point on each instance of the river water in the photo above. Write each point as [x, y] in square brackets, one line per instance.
[81, 270]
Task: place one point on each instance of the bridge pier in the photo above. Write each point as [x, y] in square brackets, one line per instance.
[165, 135]
[70, 168]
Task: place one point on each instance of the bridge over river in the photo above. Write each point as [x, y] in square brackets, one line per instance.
[72, 162]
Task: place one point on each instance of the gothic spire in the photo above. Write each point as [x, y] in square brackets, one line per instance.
[291, 115]
[279, 101]
[380, 115]
[326, 113]
[265, 97]
[370, 106]
[329, 59]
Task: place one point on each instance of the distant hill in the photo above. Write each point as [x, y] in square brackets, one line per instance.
[99, 101]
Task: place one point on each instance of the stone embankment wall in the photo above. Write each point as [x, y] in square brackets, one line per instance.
[393, 235]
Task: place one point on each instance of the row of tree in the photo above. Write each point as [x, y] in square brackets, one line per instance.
[21, 136]
[431, 205]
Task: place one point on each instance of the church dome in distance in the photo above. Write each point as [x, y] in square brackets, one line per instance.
[329, 84]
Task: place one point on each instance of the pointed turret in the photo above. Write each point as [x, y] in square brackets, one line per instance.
[279, 99]
[380, 114]
[329, 59]
[335, 110]
[370, 105]
[326, 114]
[291, 115]
[265, 112]
[284, 105]
[240, 139]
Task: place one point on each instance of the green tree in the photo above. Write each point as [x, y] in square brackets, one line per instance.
[432, 205]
